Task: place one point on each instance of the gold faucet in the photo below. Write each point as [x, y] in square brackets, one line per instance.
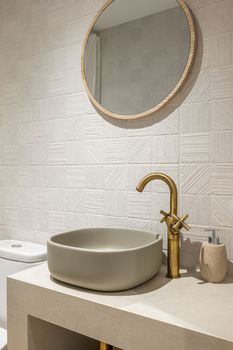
[104, 346]
[174, 223]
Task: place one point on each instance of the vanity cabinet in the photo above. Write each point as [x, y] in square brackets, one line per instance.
[161, 314]
[48, 336]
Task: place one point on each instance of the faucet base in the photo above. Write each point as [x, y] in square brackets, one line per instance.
[104, 346]
[171, 277]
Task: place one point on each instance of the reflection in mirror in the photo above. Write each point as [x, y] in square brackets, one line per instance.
[136, 54]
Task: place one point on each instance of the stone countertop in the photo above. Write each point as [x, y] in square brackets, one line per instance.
[187, 303]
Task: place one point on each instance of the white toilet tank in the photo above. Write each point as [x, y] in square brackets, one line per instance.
[16, 256]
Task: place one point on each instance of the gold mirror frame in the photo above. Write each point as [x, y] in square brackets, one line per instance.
[172, 94]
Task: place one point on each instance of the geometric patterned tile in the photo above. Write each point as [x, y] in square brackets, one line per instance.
[56, 153]
[222, 151]
[56, 84]
[139, 127]
[139, 150]
[139, 224]
[39, 198]
[56, 222]
[135, 173]
[74, 221]
[116, 151]
[195, 148]
[95, 176]
[94, 153]
[167, 125]
[56, 59]
[74, 177]
[113, 221]
[10, 155]
[197, 88]
[73, 81]
[222, 209]
[56, 199]
[93, 127]
[195, 118]
[139, 205]
[194, 179]
[171, 170]
[74, 128]
[10, 216]
[82, 8]
[115, 177]
[75, 153]
[73, 55]
[56, 36]
[165, 149]
[197, 207]
[25, 112]
[202, 10]
[222, 82]
[11, 93]
[75, 31]
[115, 203]
[55, 177]
[25, 176]
[94, 202]
[116, 129]
[202, 60]
[93, 221]
[56, 107]
[1, 117]
[222, 179]
[222, 16]
[9, 176]
[39, 109]
[221, 50]
[78, 104]
[56, 129]
[222, 115]
[160, 201]
[75, 200]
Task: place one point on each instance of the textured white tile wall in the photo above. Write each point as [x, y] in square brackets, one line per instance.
[62, 166]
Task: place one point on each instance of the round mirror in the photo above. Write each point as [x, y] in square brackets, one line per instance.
[137, 55]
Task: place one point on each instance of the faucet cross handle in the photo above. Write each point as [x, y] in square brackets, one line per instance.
[180, 222]
[165, 215]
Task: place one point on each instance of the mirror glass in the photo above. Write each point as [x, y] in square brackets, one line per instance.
[135, 54]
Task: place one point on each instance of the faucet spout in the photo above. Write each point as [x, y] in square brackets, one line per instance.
[174, 223]
[168, 180]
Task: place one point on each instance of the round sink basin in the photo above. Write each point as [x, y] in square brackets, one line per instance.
[105, 259]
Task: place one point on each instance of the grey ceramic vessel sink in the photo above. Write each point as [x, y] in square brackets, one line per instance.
[105, 259]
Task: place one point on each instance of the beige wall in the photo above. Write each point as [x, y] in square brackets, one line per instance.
[62, 166]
